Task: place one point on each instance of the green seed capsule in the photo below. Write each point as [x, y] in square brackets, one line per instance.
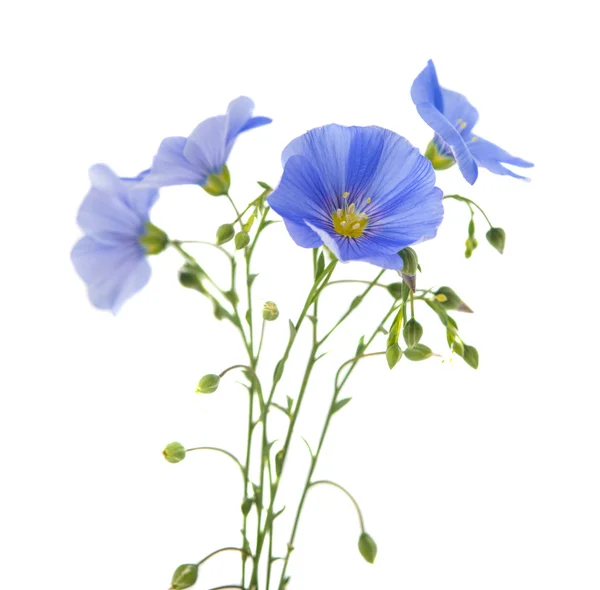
[413, 331]
[174, 452]
[367, 547]
[208, 384]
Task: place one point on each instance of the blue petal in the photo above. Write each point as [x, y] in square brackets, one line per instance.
[171, 167]
[255, 122]
[484, 150]
[452, 138]
[458, 110]
[206, 146]
[426, 88]
[302, 194]
[113, 273]
[302, 234]
[105, 212]
[239, 113]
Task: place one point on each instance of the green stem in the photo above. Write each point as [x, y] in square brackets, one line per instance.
[220, 248]
[343, 489]
[469, 202]
[355, 303]
[221, 551]
[364, 282]
[338, 386]
[219, 450]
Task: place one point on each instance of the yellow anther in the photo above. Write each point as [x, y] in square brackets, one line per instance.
[346, 195]
[463, 125]
[368, 200]
[441, 298]
[348, 222]
[474, 138]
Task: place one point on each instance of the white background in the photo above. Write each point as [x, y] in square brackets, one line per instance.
[468, 480]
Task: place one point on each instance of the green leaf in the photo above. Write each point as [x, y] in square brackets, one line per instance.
[264, 185]
[339, 404]
[293, 330]
[361, 346]
[277, 374]
[279, 462]
[394, 333]
[320, 265]
[367, 547]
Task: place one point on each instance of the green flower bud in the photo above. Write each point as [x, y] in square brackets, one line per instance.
[411, 261]
[155, 240]
[190, 276]
[471, 356]
[367, 547]
[218, 184]
[185, 576]
[470, 246]
[270, 312]
[413, 331]
[247, 506]
[393, 354]
[225, 233]
[279, 462]
[242, 239]
[439, 161]
[174, 452]
[418, 352]
[448, 299]
[208, 384]
[395, 290]
[496, 236]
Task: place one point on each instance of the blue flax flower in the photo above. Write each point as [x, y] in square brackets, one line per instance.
[452, 118]
[364, 192]
[201, 157]
[112, 256]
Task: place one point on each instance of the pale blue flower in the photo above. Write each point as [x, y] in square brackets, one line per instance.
[364, 192]
[452, 118]
[201, 157]
[112, 256]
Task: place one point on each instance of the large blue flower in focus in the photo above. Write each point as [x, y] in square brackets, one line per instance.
[364, 192]
[112, 256]
[201, 157]
[452, 118]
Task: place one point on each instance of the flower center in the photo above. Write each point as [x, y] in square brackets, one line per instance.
[349, 222]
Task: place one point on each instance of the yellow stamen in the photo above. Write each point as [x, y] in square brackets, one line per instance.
[368, 200]
[346, 195]
[474, 138]
[463, 125]
[348, 221]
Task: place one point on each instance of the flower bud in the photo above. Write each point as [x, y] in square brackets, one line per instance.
[470, 246]
[185, 576]
[208, 384]
[419, 352]
[225, 233]
[154, 240]
[411, 261]
[174, 452]
[190, 276]
[217, 184]
[246, 506]
[496, 236]
[270, 312]
[413, 331]
[471, 356]
[367, 547]
[242, 239]
[448, 299]
[393, 354]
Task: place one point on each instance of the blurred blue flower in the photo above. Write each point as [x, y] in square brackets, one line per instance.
[364, 192]
[111, 257]
[452, 118]
[201, 157]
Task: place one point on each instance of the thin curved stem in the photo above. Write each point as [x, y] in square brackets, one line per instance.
[355, 303]
[221, 551]
[343, 489]
[203, 243]
[469, 202]
[218, 449]
[360, 281]
[338, 386]
[227, 587]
